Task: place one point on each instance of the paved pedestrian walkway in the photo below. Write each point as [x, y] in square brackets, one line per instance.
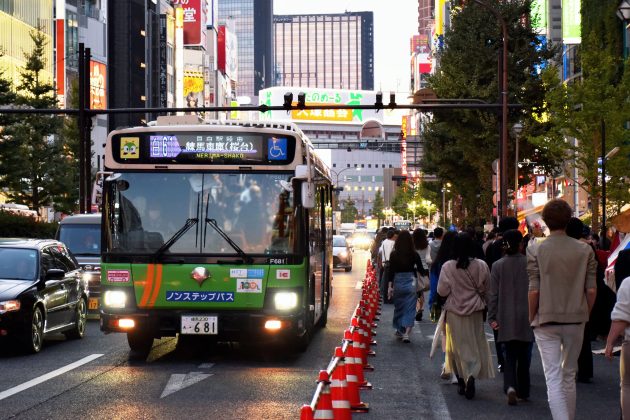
[407, 384]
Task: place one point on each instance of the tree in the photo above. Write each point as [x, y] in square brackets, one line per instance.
[30, 153]
[66, 197]
[460, 145]
[378, 206]
[585, 110]
[349, 213]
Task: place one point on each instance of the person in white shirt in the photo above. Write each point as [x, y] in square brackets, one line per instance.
[383, 261]
[620, 317]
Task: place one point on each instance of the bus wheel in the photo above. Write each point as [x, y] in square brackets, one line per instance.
[140, 344]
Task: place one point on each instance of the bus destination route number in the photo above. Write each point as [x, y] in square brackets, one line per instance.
[199, 325]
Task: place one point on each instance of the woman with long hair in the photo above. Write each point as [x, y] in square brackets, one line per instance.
[463, 282]
[421, 244]
[404, 263]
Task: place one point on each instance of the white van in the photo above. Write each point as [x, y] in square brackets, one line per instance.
[82, 235]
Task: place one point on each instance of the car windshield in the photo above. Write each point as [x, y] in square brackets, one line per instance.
[254, 210]
[81, 239]
[18, 264]
[339, 241]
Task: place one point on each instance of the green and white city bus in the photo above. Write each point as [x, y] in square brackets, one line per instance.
[215, 228]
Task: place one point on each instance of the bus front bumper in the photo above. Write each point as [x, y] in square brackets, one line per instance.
[230, 326]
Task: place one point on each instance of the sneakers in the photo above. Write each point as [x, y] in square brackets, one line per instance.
[511, 396]
[454, 379]
[405, 338]
[470, 388]
[444, 374]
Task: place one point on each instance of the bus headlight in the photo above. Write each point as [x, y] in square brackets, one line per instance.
[115, 299]
[285, 301]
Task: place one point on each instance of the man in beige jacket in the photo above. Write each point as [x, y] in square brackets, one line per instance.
[562, 291]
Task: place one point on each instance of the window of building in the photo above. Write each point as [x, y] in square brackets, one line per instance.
[334, 165]
[390, 165]
[369, 165]
[348, 165]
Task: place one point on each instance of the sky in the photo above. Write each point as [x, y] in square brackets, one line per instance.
[395, 21]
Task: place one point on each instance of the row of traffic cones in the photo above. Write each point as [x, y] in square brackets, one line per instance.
[338, 390]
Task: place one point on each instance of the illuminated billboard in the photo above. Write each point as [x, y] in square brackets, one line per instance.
[98, 85]
[314, 96]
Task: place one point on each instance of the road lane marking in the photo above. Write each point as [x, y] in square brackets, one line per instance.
[359, 285]
[50, 375]
[179, 381]
[206, 365]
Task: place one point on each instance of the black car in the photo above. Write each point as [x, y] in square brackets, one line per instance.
[41, 292]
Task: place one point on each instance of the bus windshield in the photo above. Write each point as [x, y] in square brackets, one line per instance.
[145, 210]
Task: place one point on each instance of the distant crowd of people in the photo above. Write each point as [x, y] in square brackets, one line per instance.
[543, 286]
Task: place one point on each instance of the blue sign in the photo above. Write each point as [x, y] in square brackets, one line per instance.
[277, 148]
[177, 296]
[255, 273]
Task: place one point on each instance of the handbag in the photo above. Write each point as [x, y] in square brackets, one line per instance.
[422, 283]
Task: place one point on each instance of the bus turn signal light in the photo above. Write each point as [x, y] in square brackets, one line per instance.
[126, 323]
[273, 324]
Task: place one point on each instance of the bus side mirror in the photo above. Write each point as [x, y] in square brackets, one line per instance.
[308, 195]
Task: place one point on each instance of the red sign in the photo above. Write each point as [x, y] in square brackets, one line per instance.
[221, 48]
[60, 62]
[194, 20]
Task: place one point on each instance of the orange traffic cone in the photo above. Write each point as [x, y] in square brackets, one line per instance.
[324, 409]
[356, 405]
[306, 413]
[359, 346]
[354, 363]
[339, 389]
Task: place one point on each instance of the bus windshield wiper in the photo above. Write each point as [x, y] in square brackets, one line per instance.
[239, 251]
[189, 223]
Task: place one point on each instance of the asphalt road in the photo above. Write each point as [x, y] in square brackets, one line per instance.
[93, 378]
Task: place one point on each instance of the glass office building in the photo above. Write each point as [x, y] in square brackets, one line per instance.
[333, 51]
[252, 23]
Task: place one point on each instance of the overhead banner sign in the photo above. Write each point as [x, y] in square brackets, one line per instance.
[571, 19]
[275, 96]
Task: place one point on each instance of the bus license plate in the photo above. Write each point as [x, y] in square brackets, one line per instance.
[199, 324]
[93, 304]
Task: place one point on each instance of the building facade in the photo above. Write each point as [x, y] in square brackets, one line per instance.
[334, 51]
[252, 23]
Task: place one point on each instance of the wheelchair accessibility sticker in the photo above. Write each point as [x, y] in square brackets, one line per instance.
[277, 148]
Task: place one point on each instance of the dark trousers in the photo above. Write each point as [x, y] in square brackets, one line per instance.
[499, 348]
[518, 356]
[585, 360]
[382, 285]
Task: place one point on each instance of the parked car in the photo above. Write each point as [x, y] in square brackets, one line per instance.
[342, 253]
[41, 292]
[81, 233]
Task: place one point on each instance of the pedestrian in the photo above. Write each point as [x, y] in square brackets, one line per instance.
[575, 229]
[621, 325]
[376, 244]
[438, 233]
[561, 294]
[463, 282]
[421, 244]
[489, 239]
[383, 262]
[445, 253]
[508, 315]
[404, 264]
[494, 252]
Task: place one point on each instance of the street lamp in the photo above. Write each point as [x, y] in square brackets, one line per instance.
[517, 129]
[445, 189]
[337, 189]
[504, 110]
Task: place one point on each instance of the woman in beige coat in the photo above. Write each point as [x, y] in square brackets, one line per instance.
[463, 282]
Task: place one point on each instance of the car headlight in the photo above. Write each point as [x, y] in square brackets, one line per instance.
[343, 254]
[285, 300]
[115, 299]
[9, 306]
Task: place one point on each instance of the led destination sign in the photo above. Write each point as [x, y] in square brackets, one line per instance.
[203, 148]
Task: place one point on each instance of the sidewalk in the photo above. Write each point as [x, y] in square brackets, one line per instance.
[407, 383]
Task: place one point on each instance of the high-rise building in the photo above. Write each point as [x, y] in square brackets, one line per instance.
[17, 20]
[252, 23]
[333, 51]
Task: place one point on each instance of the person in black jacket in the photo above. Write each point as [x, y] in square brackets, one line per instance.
[404, 263]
